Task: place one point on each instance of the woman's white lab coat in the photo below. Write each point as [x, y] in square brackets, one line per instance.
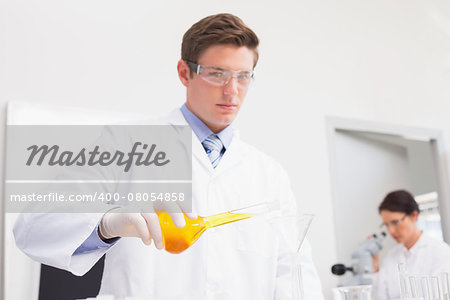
[242, 260]
[428, 257]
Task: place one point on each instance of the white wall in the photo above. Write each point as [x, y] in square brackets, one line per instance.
[382, 60]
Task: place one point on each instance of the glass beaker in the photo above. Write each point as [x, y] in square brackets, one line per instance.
[176, 240]
[359, 292]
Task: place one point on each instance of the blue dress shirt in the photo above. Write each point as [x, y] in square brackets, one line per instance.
[202, 131]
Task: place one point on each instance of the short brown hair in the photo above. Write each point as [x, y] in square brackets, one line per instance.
[220, 29]
[399, 201]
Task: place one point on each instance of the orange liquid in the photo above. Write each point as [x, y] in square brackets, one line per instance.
[177, 240]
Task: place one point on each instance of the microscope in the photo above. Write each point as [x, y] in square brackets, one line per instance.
[362, 267]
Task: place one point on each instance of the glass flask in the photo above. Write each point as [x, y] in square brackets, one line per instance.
[176, 240]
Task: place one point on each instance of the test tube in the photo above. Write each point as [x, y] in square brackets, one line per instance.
[445, 286]
[297, 282]
[435, 293]
[402, 278]
[413, 287]
[425, 288]
[447, 277]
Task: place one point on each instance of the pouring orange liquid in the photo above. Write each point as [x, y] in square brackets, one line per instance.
[177, 240]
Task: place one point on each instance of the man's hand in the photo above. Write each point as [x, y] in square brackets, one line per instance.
[126, 222]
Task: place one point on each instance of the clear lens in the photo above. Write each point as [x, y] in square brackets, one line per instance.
[394, 223]
[220, 77]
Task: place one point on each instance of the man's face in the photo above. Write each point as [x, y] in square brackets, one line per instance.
[399, 225]
[217, 106]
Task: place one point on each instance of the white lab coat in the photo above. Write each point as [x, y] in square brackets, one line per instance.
[427, 257]
[242, 260]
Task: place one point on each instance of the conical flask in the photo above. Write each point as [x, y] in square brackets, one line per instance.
[176, 240]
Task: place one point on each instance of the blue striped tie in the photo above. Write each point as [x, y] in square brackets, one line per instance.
[213, 147]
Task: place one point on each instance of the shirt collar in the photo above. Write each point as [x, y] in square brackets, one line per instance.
[421, 242]
[202, 131]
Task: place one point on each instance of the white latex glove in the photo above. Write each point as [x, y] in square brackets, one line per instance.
[126, 222]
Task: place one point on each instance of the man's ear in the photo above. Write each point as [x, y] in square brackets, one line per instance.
[183, 72]
[414, 215]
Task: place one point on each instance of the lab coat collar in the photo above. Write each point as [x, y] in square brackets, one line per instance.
[421, 243]
[202, 131]
[231, 157]
[176, 118]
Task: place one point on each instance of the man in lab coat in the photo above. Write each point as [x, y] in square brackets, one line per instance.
[239, 261]
[421, 254]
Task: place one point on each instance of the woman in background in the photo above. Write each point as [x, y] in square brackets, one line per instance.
[422, 254]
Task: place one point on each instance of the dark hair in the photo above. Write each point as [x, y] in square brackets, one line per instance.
[220, 29]
[399, 201]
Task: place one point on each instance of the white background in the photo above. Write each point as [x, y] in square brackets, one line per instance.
[385, 61]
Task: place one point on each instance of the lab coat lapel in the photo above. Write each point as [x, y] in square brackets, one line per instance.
[177, 118]
[232, 156]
